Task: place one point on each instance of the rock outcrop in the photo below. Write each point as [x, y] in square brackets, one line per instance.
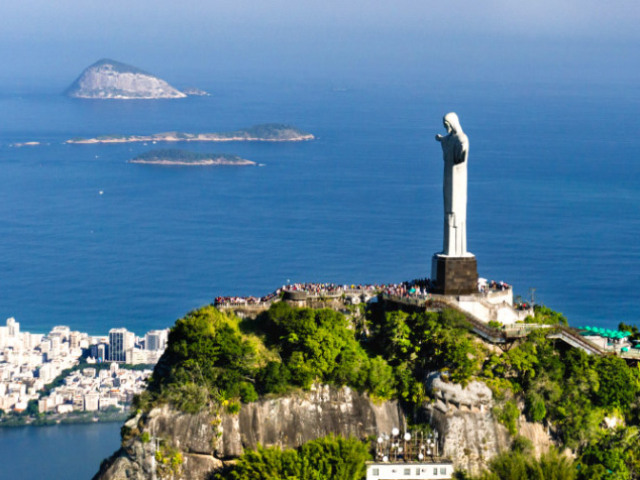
[537, 434]
[206, 441]
[469, 433]
[108, 79]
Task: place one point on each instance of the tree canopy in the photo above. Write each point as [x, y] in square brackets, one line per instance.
[331, 457]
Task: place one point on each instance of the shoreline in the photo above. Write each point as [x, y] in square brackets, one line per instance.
[64, 419]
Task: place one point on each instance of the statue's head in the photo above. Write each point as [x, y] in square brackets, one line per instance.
[452, 123]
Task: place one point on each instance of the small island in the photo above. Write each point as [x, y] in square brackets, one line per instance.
[269, 132]
[187, 158]
[24, 144]
[195, 92]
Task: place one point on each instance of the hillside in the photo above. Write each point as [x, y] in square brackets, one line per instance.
[492, 409]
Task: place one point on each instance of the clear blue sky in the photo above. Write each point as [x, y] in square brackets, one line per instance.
[180, 41]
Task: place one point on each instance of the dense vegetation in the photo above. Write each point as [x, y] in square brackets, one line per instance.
[329, 457]
[208, 360]
[544, 315]
[520, 464]
[419, 343]
[614, 456]
[216, 359]
[565, 387]
[318, 346]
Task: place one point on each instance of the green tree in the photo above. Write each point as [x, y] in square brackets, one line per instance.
[318, 345]
[331, 457]
[535, 409]
[380, 380]
[207, 359]
[618, 385]
[518, 465]
[616, 454]
[545, 315]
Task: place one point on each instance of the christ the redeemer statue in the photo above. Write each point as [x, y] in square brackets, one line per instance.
[454, 271]
[455, 151]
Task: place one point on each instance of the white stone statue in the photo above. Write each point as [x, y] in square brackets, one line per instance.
[455, 151]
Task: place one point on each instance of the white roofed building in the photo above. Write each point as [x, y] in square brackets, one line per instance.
[410, 470]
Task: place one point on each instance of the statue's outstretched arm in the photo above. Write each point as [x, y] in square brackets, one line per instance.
[439, 137]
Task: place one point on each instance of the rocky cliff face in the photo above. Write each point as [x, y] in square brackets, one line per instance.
[469, 433]
[206, 441]
[108, 79]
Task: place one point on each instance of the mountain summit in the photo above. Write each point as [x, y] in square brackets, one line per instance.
[110, 79]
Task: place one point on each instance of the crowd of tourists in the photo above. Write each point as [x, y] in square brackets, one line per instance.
[315, 288]
[419, 288]
[485, 286]
[247, 300]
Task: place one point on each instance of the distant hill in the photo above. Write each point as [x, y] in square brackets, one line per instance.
[109, 79]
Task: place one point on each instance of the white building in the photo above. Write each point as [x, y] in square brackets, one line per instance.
[64, 408]
[10, 334]
[409, 470]
[156, 340]
[13, 327]
[91, 402]
[47, 372]
[120, 340]
[60, 330]
[106, 402]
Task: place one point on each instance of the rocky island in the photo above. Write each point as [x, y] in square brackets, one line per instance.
[268, 132]
[187, 158]
[108, 79]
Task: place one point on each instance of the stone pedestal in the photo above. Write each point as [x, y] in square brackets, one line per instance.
[454, 275]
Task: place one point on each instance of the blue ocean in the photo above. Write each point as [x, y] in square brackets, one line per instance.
[91, 241]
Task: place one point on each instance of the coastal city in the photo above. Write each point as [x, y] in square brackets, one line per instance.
[67, 372]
